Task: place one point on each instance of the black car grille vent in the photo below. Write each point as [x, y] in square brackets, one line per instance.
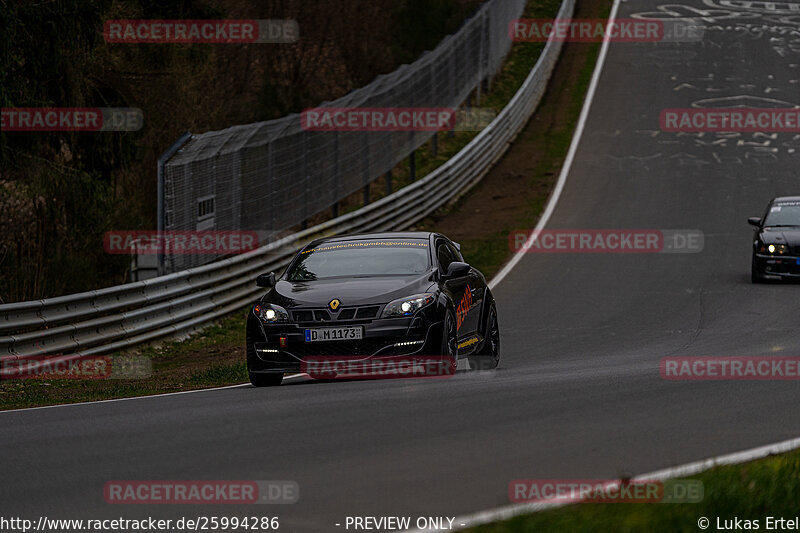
[347, 313]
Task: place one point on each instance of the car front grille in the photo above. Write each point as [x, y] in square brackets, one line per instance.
[346, 313]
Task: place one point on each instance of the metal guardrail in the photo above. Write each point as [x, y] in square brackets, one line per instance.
[274, 175]
[115, 318]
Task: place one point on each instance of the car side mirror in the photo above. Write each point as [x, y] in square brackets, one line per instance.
[266, 280]
[754, 221]
[457, 270]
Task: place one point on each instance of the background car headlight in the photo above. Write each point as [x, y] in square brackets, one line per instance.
[774, 249]
[271, 313]
[407, 306]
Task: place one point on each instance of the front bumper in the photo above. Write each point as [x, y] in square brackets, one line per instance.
[381, 336]
[777, 267]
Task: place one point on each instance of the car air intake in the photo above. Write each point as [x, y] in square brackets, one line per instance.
[303, 316]
[346, 314]
[321, 315]
[367, 312]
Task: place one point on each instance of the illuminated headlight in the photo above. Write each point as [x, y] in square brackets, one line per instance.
[407, 306]
[774, 249]
[271, 313]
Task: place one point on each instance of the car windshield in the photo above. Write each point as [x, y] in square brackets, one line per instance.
[362, 258]
[783, 214]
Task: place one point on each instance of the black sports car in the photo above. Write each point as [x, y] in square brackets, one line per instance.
[372, 296]
[776, 246]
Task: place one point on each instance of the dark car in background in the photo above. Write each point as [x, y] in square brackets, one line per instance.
[776, 245]
[372, 296]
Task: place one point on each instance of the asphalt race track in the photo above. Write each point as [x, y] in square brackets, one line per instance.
[578, 393]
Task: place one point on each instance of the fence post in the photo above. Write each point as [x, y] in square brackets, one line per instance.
[304, 224]
[161, 208]
[271, 185]
[482, 50]
[336, 173]
[365, 166]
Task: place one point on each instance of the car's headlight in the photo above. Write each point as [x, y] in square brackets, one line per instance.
[774, 249]
[407, 306]
[271, 313]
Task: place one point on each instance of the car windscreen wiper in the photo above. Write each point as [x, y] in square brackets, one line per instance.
[782, 226]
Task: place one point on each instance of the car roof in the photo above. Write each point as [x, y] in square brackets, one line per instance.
[786, 199]
[385, 235]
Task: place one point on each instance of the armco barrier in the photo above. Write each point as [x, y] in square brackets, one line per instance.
[116, 318]
[274, 175]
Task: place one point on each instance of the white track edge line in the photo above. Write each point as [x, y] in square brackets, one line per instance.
[503, 513]
[500, 275]
[565, 169]
[511, 511]
[96, 402]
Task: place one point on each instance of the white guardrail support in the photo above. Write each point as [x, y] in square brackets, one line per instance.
[121, 317]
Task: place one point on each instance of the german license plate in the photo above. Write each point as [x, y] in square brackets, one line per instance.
[334, 334]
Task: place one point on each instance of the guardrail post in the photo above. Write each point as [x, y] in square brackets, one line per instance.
[412, 165]
[388, 183]
[435, 144]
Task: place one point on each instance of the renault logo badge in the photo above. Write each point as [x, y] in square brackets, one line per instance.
[334, 304]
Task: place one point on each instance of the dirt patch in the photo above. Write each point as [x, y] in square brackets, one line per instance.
[513, 194]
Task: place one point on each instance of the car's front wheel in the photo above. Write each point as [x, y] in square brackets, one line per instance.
[260, 379]
[449, 348]
[489, 357]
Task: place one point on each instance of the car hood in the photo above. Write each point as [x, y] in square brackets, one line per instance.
[350, 291]
[787, 236]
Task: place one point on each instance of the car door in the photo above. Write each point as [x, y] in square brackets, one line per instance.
[476, 285]
[454, 288]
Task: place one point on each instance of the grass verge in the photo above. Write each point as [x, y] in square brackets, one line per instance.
[749, 491]
[215, 357]
[211, 358]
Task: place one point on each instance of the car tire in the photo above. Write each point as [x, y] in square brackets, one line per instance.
[259, 379]
[754, 275]
[449, 346]
[490, 356]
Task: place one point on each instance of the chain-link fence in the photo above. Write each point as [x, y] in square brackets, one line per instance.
[271, 176]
